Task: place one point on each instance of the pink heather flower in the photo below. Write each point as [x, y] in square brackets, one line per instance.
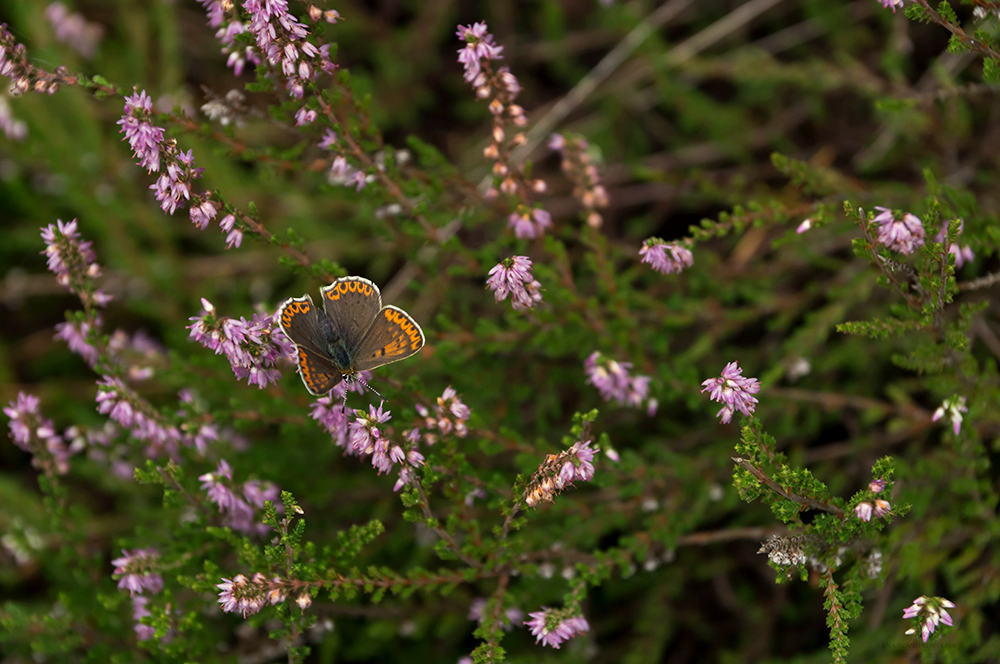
[551, 627]
[73, 261]
[202, 213]
[173, 187]
[559, 471]
[304, 116]
[241, 595]
[37, 435]
[863, 511]
[135, 571]
[577, 164]
[479, 49]
[73, 29]
[237, 502]
[342, 173]
[876, 486]
[529, 224]
[139, 611]
[954, 407]
[143, 137]
[930, 612]
[253, 347]
[450, 416]
[964, 254]
[664, 257]
[882, 508]
[124, 406]
[75, 334]
[612, 380]
[512, 277]
[903, 236]
[804, 226]
[893, 4]
[367, 438]
[13, 128]
[733, 391]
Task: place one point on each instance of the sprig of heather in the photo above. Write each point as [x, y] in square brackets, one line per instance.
[164, 434]
[554, 626]
[576, 164]
[733, 391]
[25, 74]
[370, 438]
[241, 505]
[666, 257]
[449, 416]
[559, 471]
[929, 612]
[614, 382]
[512, 277]
[252, 347]
[37, 436]
[501, 87]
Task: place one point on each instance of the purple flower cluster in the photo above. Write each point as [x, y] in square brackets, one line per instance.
[931, 612]
[238, 503]
[892, 4]
[552, 627]
[665, 257]
[37, 435]
[137, 574]
[449, 416]
[237, 54]
[282, 39]
[124, 406]
[576, 164]
[904, 235]
[249, 596]
[612, 380]
[253, 347]
[368, 438]
[143, 137]
[73, 261]
[879, 508]
[733, 391]
[73, 29]
[559, 471]
[954, 407]
[479, 50]
[512, 277]
[964, 254]
[136, 571]
[529, 223]
[332, 414]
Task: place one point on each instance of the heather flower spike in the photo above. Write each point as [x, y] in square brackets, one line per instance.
[733, 391]
[664, 257]
[554, 626]
[559, 471]
[953, 407]
[904, 235]
[512, 277]
[614, 382]
[929, 613]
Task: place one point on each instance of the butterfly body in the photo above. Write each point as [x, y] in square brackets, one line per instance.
[352, 332]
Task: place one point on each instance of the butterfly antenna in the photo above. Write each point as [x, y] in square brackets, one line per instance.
[369, 387]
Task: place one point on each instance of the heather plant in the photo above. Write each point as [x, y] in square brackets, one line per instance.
[707, 360]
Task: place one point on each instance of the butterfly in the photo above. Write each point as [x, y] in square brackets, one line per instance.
[353, 332]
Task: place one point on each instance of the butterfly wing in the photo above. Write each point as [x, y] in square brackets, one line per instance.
[392, 337]
[299, 320]
[318, 374]
[352, 303]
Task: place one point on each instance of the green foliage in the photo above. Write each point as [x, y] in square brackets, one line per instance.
[562, 454]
